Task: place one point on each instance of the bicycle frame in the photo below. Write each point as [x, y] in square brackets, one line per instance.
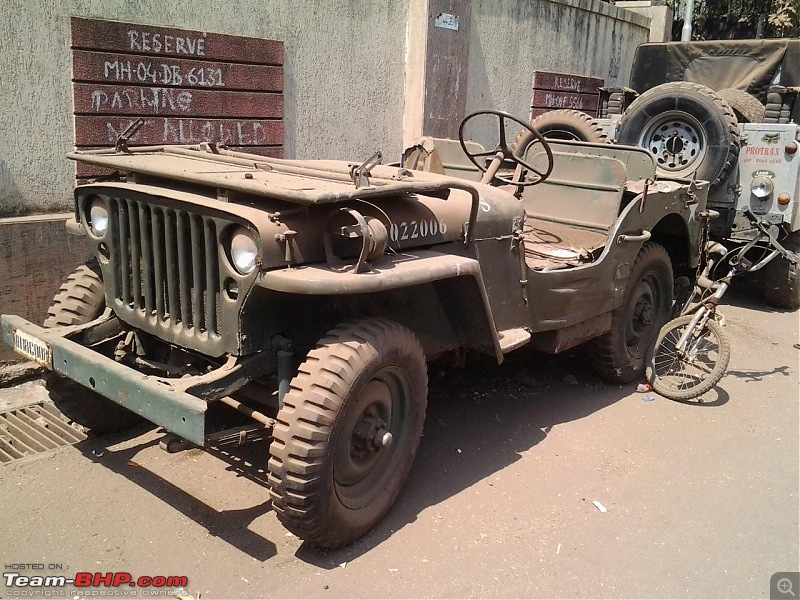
[706, 306]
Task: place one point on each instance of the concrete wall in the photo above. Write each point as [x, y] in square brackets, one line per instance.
[344, 79]
[509, 39]
[660, 15]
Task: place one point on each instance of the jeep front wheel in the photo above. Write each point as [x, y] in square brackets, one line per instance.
[347, 434]
[620, 354]
[82, 299]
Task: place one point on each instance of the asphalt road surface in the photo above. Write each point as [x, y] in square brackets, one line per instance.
[702, 499]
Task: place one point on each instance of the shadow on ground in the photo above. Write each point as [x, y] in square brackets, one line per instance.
[228, 525]
[491, 413]
[479, 421]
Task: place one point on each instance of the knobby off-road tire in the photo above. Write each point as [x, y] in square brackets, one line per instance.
[687, 127]
[331, 479]
[677, 378]
[782, 279]
[564, 124]
[81, 299]
[615, 100]
[746, 107]
[621, 354]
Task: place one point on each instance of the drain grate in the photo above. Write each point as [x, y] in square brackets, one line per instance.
[34, 429]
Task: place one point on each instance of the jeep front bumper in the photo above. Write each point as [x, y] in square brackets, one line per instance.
[157, 399]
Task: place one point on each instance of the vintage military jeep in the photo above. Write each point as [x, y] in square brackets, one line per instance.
[235, 296]
[728, 111]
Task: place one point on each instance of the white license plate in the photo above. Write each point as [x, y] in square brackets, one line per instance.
[32, 347]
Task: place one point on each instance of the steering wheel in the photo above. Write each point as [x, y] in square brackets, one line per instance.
[505, 152]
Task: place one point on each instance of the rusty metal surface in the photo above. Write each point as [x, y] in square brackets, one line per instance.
[34, 429]
[157, 400]
[127, 37]
[305, 182]
[100, 66]
[189, 86]
[566, 82]
[97, 131]
[107, 99]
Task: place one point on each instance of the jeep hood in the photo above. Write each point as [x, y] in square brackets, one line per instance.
[306, 182]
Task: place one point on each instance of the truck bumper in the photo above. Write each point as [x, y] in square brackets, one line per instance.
[154, 398]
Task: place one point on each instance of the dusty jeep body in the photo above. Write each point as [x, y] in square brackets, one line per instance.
[191, 343]
[760, 80]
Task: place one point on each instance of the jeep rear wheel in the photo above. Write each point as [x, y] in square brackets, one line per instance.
[80, 300]
[782, 279]
[347, 434]
[620, 355]
[688, 129]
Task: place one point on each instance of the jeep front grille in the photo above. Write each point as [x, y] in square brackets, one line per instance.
[166, 267]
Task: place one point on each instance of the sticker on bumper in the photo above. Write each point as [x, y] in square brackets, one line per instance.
[32, 347]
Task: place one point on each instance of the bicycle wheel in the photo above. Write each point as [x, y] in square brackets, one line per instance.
[693, 372]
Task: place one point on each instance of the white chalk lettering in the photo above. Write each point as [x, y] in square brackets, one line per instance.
[151, 99]
[568, 83]
[556, 100]
[133, 40]
[196, 131]
[157, 43]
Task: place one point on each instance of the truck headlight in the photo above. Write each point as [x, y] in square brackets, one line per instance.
[761, 187]
[98, 217]
[244, 251]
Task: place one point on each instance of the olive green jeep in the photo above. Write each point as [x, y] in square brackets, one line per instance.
[232, 296]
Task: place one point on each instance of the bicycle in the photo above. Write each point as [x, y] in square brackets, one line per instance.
[692, 352]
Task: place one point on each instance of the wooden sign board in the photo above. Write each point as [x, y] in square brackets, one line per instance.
[552, 91]
[188, 86]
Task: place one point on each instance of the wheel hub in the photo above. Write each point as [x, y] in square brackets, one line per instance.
[370, 435]
[641, 320]
[676, 142]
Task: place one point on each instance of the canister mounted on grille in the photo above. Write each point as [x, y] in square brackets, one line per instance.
[373, 234]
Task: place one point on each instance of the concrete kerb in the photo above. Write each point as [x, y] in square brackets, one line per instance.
[13, 373]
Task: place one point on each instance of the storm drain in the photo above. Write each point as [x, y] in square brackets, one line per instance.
[34, 429]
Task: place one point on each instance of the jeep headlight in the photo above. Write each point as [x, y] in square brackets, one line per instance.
[244, 251]
[761, 187]
[98, 217]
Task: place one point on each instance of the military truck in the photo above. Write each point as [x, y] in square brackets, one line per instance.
[233, 296]
[727, 111]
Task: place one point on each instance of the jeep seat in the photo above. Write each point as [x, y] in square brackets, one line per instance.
[570, 215]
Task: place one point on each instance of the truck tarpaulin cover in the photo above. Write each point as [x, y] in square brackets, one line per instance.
[748, 65]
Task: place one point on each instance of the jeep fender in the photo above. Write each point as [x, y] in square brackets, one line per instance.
[455, 282]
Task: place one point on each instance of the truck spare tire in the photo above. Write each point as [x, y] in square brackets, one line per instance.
[747, 108]
[687, 127]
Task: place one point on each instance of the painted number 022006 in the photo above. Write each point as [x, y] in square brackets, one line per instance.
[412, 230]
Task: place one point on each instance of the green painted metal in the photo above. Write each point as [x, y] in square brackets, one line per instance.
[156, 399]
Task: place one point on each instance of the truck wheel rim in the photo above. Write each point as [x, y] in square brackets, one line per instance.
[364, 463]
[641, 323]
[676, 141]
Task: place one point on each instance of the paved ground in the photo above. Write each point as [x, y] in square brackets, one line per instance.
[702, 499]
